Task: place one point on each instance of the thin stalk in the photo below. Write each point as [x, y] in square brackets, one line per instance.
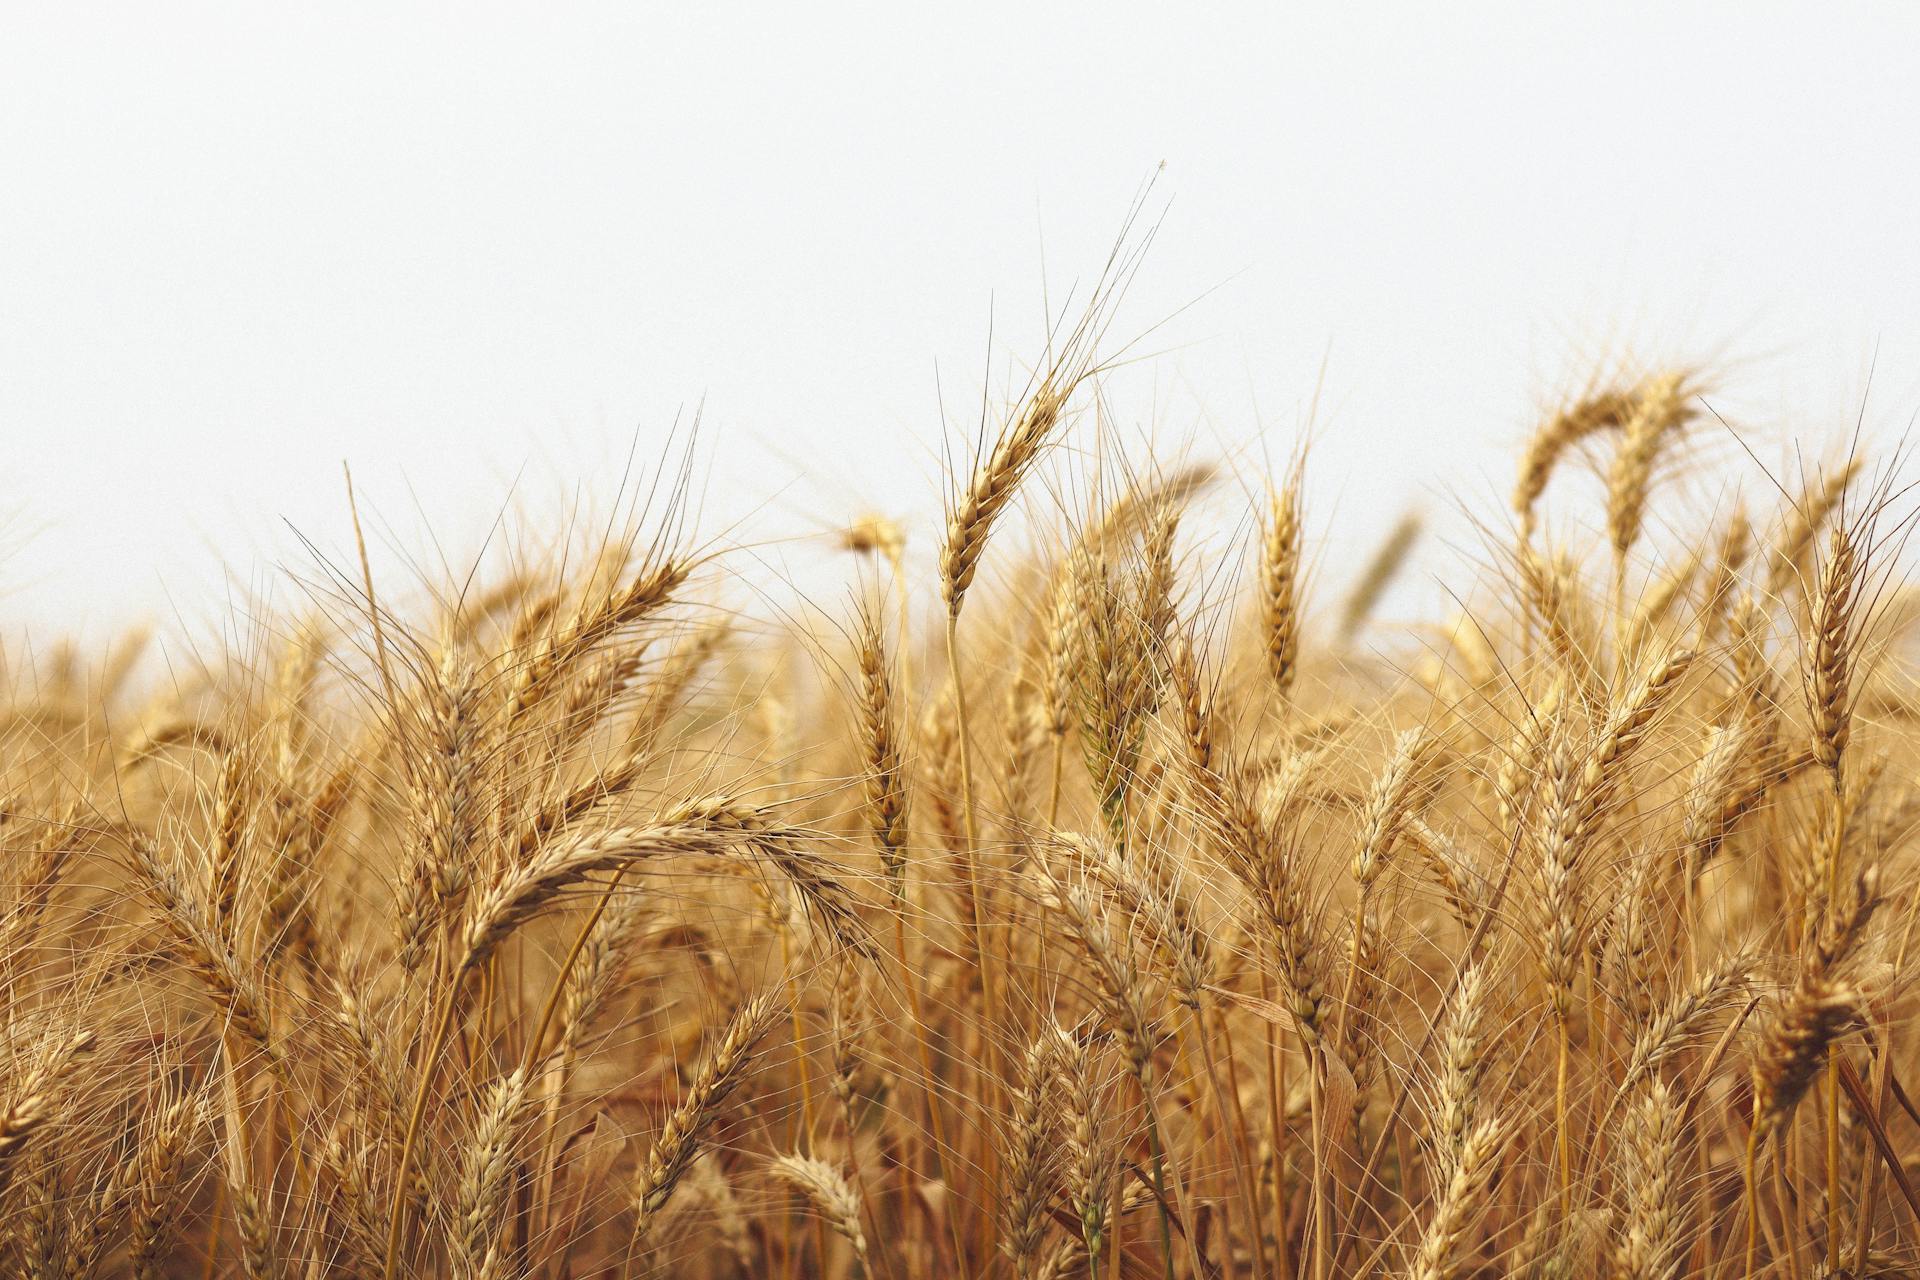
[983, 956]
[539, 1035]
[1347, 1017]
[1788, 1248]
[1322, 1227]
[805, 1142]
[1160, 1187]
[927, 1093]
[1277, 1124]
[1562, 1142]
[1692, 906]
[435, 1044]
[1180, 1197]
[1753, 1190]
[1233, 1124]
[1833, 1163]
[970, 824]
[558, 990]
[1833, 1058]
[1058, 770]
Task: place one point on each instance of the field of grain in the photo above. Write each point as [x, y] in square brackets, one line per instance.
[1101, 900]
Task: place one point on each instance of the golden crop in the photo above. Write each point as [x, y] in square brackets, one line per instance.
[1108, 909]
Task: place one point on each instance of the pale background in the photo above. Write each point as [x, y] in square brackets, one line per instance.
[482, 254]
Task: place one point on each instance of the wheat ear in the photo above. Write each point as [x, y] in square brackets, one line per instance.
[678, 1141]
[32, 1103]
[480, 1206]
[1280, 581]
[1462, 1203]
[1652, 1175]
[831, 1195]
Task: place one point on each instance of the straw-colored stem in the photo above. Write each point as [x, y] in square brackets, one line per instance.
[1322, 1225]
[1276, 1050]
[916, 1008]
[1562, 1139]
[982, 954]
[1753, 1191]
[1234, 1128]
[1837, 838]
[800, 1058]
[1156, 1151]
[969, 822]
[1057, 770]
[435, 1043]
[558, 990]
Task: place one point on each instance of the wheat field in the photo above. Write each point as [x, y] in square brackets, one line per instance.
[1103, 901]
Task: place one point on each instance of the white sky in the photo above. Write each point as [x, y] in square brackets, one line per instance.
[455, 246]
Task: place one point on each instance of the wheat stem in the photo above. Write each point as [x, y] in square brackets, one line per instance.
[403, 1169]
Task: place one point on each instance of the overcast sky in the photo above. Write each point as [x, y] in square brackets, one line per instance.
[469, 248]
